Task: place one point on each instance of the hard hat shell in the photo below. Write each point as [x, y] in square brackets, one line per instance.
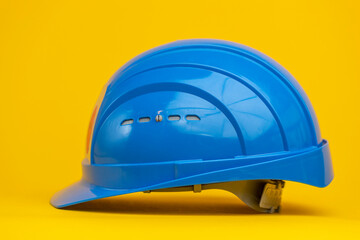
[199, 112]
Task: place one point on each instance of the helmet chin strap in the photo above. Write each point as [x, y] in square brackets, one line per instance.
[261, 195]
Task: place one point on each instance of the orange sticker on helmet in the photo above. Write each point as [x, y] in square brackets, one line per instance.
[92, 122]
[90, 129]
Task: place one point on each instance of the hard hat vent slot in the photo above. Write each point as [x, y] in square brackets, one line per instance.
[144, 119]
[192, 117]
[170, 118]
[174, 117]
[127, 122]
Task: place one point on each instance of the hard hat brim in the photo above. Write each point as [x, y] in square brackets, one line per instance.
[318, 173]
[83, 191]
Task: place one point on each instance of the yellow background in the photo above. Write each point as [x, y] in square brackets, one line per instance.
[55, 56]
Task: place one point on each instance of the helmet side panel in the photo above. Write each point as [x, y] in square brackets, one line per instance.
[255, 126]
[211, 136]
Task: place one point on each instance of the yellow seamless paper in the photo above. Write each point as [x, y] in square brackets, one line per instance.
[55, 57]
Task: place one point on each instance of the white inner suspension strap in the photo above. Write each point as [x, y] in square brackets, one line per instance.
[261, 195]
[271, 195]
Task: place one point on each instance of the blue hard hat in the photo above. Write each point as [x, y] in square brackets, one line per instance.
[201, 114]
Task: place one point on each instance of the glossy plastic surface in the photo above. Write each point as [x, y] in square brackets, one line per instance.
[239, 116]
